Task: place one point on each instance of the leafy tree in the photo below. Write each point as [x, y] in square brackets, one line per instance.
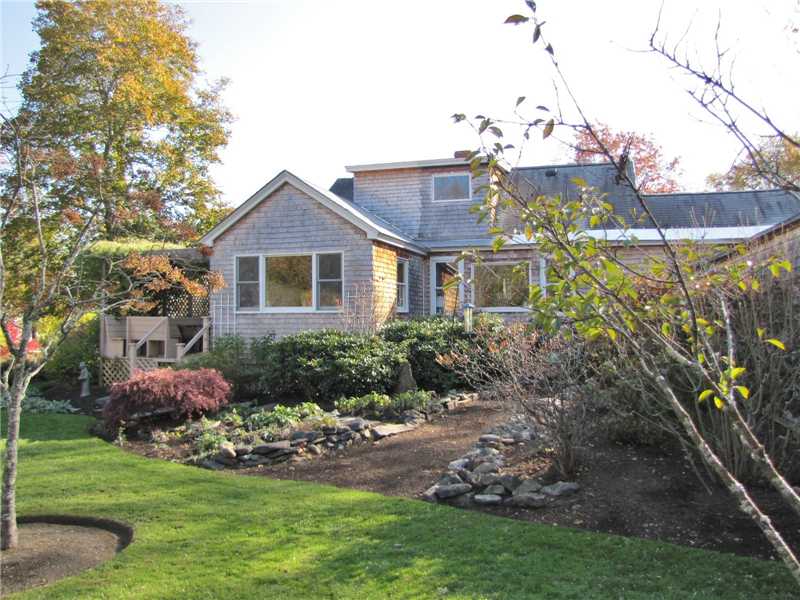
[114, 89]
[775, 161]
[671, 311]
[655, 173]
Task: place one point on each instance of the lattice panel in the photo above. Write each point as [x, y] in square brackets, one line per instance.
[183, 306]
[114, 370]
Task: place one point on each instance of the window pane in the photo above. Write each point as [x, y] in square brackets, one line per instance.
[329, 266]
[444, 273]
[401, 271]
[248, 268]
[247, 295]
[329, 294]
[501, 285]
[288, 280]
[451, 187]
[401, 296]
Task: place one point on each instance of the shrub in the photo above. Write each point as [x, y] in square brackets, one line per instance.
[282, 416]
[231, 356]
[322, 365]
[424, 340]
[372, 404]
[182, 393]
[81, 345]
[417, 399]
[34, 402]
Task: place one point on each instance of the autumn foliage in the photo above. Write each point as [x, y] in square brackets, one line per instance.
[180, 393]
[654, 172]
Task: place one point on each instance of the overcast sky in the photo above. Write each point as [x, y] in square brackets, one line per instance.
[316, 85]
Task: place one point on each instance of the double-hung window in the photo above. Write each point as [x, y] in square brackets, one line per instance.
[402, 285]
[247, 283]
[329, 281]
[289, 283]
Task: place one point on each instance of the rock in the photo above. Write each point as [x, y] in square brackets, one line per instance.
[314, 449]
[461, 463]
[297, 435]
[226, 460]
[487, 467]
[243, 450]
[366, 434]
[523, 436]
[495, 490]
[212, 465]
[490, 438]
[356, 424]
[272, 447]
[315, 437]
[450, 479]
[485, 479]
[529, 486]
[301, 443]
[463, 501]
[101, 401]
[487, 499]
[429, 495]
[528, 500]
[389, 429]
[451, 491]
[508, 441]
[561, 488]
[255, 461]
[227, 450]
[510, 482]
[405, 379]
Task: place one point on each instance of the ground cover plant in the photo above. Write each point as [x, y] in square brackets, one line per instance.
[233, 537]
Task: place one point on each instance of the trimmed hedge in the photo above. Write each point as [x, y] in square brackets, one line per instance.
[320, 366]
[181, 393]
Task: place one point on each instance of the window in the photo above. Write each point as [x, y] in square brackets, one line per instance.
[329, 281]
[402, 285]
[291, 283]
[445, 292]
[247, 282]
[450, 188]
[501, 286]
[288, 281]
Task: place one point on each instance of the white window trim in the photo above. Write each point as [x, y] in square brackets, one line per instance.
[405, 262]
[506, 309]
[262, 287]
[450, 174]
[432, 279]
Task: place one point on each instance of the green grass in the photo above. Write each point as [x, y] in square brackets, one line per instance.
[201, 534]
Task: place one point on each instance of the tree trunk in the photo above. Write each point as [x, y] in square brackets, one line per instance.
[8, 509]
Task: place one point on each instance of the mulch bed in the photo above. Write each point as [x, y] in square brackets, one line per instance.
[49, 551]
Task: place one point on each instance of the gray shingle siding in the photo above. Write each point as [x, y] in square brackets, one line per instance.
[403, 198]
[286, 222]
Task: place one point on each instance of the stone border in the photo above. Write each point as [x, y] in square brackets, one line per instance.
[477, 478]
[347, 432]
[122, 530]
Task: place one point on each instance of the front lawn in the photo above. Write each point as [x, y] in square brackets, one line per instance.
[203, 534]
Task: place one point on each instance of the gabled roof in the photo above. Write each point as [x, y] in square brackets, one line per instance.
[374, 227]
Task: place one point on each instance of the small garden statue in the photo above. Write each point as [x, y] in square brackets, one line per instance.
[84, 379]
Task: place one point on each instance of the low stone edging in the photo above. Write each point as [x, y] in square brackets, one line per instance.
[477, 478]
[347, 432]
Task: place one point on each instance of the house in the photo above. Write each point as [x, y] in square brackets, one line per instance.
[383, 243]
